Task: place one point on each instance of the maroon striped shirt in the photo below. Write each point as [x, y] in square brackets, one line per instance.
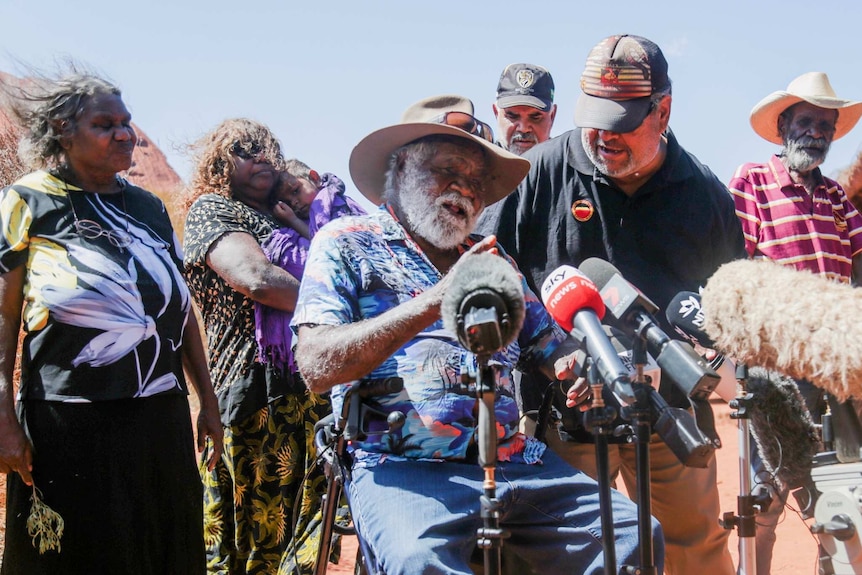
[820, 232]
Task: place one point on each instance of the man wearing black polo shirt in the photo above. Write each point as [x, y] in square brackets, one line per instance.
[621, 188]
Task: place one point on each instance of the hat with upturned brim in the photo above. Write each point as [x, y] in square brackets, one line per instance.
[814, 88]
[369, 160]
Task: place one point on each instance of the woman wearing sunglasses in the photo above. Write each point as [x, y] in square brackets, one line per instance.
[250, 498]
[100, 431]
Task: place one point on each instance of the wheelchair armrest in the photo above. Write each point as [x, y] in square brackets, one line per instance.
[354, 411]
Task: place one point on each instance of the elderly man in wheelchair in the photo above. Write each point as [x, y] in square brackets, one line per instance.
[369, 310]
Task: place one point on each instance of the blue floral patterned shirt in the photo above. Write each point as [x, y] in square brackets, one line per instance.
[361, 266]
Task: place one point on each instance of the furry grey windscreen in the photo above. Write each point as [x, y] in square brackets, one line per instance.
[800, 324]
[782, 427]
[485, 271]
[598, 270]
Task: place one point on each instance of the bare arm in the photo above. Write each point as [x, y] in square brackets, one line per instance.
[329, 355]
[239, 259]
[195, 364]
[16, 453]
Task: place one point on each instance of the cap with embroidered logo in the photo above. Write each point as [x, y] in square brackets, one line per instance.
[525, 85]
[620, 75]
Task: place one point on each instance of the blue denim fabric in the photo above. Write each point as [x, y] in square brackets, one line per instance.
[422, 516]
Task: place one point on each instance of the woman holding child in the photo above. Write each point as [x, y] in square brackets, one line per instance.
[254, 521]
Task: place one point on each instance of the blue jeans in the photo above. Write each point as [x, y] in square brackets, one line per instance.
[422, 516]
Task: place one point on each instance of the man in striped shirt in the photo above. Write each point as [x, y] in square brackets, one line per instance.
[792, 214]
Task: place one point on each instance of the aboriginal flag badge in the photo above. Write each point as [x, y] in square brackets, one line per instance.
[583, 210]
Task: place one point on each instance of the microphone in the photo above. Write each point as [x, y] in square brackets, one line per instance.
[630, 311]
[794, 322]
[781, 424]
[678, 429]
[484, 304]
[575, 304]
[685, 314]
[782, 428]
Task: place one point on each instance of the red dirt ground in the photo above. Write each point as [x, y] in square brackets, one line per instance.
[795, 550]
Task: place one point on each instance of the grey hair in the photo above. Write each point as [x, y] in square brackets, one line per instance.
[656, 97]
[48, 110]
[416, 151]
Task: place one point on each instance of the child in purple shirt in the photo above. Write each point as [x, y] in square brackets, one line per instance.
[303, 203]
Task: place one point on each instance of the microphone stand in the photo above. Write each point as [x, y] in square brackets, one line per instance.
[640, 418]
[747, 505]
[490, 535]
[599, 420]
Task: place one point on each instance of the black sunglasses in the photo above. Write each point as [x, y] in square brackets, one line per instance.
[246, 150]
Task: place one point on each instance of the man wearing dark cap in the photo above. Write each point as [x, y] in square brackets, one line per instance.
[621, 188]
[525, 107]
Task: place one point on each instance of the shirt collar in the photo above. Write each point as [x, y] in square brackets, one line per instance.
[782, 176]
[671, 170]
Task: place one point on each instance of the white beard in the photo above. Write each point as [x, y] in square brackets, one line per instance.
[428, 217]
[799, 158]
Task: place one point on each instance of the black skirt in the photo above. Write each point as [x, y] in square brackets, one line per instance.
[123, 476]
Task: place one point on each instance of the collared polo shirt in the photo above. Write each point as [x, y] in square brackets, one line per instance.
[670, 236]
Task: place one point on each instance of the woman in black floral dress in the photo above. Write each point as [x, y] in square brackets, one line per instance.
[102, 428]
[250, 499]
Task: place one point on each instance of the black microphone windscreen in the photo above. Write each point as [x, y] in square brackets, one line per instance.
[685, 314]
[598, 270]
[795, 322]
[781, 425]
[481, 278]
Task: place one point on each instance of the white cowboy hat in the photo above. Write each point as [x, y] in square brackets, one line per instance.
[814, 88]
[369, 160]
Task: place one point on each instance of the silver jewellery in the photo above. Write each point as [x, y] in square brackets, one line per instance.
[91, 229]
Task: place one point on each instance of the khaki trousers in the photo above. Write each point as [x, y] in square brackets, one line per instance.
[684, 500]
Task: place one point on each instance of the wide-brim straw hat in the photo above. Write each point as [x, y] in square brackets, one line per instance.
[814, 88]
[369, 160]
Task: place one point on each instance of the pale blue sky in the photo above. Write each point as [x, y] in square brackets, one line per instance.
[324, 74]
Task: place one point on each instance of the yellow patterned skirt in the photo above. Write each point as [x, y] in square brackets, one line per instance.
[262, 500]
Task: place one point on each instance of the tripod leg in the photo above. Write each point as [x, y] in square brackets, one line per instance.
[607, 513]
[642, 462]
[745, 521]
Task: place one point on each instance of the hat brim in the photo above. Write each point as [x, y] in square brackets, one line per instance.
[620, 116]
[523, 100]
[369, 160]
[764, 115]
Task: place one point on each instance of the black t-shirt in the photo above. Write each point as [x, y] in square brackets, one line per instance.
[103, 320]
[670, 236]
